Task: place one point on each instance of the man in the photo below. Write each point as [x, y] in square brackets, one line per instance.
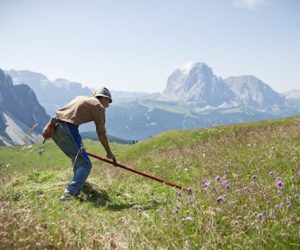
[81, 110]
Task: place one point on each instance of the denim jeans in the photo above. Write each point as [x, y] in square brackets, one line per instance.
[68, 139]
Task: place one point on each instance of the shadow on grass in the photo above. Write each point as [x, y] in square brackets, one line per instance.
[100, 198]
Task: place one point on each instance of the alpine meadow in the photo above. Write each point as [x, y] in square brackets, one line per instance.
[245, 180]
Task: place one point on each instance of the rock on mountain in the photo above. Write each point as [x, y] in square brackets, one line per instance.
[255, 94]
[21, 116]
[196, 85]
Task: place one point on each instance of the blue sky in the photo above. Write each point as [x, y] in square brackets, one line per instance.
[136, 44]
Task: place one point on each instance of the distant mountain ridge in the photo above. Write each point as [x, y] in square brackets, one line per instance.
[193, 98]
[196, 85]
[21, 116]
[54, 94]
[51, 94]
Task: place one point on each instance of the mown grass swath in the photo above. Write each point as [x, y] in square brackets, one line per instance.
[245, 178]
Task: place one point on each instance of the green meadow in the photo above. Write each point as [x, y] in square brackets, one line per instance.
[245, 180]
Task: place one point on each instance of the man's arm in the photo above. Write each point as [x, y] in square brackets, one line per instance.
[104, 142]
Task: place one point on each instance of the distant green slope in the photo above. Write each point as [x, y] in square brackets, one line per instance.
[245, 178]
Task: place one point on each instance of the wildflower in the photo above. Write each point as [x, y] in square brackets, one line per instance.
[271, 173]
[226, 184]
[220, 198]
[279, 184]
[189, 190]
[218, 177]
[254, 177]
[205, 183]
[239, 217]
[276, 206]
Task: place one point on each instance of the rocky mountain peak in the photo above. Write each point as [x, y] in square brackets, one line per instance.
[196, 85]
[254, 93]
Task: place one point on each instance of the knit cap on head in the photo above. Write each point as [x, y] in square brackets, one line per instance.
[103, 92]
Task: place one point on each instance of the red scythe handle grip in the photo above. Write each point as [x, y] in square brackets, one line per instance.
[139, 172]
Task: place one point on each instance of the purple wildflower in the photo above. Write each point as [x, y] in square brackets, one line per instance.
[279, 184]
[205, 183]
[218, 177]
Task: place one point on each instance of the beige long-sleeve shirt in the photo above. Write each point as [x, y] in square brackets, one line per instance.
[84, 109]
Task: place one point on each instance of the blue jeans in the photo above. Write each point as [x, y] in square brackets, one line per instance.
[68, 139]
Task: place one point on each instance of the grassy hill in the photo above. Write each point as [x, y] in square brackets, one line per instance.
[245, 180]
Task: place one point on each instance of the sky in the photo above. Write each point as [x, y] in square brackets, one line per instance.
[134, 45]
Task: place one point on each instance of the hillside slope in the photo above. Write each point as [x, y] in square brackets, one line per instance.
[245, 180]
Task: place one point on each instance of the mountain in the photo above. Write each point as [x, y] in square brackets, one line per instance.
[54, 94]
[196, 85]
[51, 94]
[194, 97]
[293, 99]
[255, 94]
[21, 116]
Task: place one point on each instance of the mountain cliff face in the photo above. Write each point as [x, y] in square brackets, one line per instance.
[253, 93]
[196, 85]
[21, 116]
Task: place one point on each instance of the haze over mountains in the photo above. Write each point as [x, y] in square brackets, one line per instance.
[193, 98]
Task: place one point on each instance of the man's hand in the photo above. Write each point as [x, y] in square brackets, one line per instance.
[111, 156]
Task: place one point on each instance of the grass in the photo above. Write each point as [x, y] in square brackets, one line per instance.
[245, 180]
